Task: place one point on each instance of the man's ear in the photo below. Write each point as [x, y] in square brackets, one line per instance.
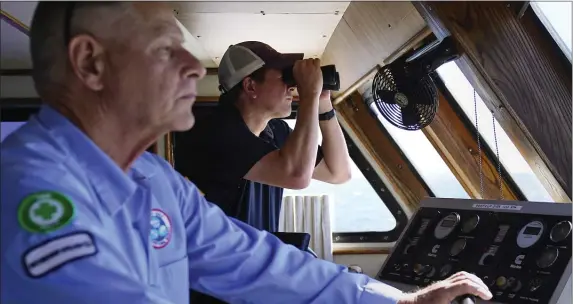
[86, 56]
[249, 86]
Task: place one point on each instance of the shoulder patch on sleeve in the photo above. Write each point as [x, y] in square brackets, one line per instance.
[54, 253]
[45, 211]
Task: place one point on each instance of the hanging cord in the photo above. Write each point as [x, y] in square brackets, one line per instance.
[479, 147]
[498, 159]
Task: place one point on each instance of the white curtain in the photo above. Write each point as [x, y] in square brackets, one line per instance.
[310, 214]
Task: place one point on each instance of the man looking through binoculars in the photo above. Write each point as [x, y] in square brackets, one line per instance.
[243, 155]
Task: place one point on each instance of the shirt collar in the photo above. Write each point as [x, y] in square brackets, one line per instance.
[113, 185]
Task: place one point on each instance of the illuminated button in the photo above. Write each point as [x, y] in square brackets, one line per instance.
[501, 282]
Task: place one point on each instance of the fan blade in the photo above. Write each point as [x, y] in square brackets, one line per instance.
[421, 92]
[387, 96]
[410, 115]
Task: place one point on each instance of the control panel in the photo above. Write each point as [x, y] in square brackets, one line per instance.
[521, 250]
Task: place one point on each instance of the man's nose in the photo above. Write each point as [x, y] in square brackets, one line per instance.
[194, 67]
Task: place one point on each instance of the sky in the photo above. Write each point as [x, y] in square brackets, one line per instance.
[559, 16]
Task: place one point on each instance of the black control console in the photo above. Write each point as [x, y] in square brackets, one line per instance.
[521, 250]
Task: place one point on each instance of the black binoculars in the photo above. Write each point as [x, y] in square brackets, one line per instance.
[330, 78]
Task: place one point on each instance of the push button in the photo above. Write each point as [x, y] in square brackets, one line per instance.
[501, 282]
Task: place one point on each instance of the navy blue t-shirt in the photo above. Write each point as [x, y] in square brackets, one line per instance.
[219, 151]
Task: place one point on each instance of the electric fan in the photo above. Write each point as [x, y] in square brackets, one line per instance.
[404, 92]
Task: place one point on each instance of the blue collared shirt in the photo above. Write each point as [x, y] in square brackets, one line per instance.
[78, 229]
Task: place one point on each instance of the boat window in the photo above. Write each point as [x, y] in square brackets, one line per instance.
[556, 16]
[512, 160]
[357, 207]
[424, 158]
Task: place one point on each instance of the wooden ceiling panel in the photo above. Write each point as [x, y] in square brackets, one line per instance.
[367, 34]
[289, 27]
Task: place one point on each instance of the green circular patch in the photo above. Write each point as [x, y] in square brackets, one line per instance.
[45, 211]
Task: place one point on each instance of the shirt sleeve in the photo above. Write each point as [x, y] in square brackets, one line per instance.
[73, 264]
[237, 263]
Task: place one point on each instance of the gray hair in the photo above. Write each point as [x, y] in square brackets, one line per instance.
[55, 22]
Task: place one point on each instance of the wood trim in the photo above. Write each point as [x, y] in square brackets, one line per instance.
[522, 76]
[350, 251]
[367, 34]
[406, 183]
[212, 71]
[457, 145]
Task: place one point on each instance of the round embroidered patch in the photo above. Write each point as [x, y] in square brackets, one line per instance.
[160, 229]
[45, 211]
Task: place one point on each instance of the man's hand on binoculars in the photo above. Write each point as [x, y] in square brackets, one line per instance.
[308, 76]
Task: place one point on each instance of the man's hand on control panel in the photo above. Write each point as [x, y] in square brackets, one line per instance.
[446, 291]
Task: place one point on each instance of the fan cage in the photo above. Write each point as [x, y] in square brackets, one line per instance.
[424, 88]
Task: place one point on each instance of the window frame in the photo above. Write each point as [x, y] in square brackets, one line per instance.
[485, 147]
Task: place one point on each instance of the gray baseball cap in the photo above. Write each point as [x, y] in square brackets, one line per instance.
[242, 59]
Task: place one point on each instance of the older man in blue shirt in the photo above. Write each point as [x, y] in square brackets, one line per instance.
[89, 217]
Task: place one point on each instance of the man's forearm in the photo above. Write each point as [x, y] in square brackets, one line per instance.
[300, 148]
[335, 152]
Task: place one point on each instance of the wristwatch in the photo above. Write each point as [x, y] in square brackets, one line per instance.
[326, 116]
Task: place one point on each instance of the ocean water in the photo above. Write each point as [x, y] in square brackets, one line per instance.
[357, 207]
